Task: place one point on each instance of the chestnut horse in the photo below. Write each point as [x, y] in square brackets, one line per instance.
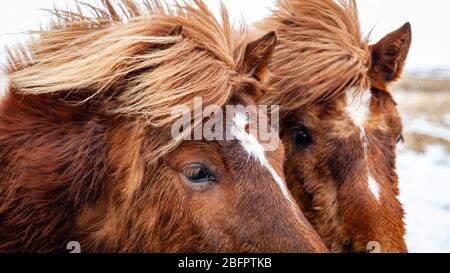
[86, 152]
[339, 122]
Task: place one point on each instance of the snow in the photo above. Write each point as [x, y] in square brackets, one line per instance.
[423, 126]
[447, 119]
[424, 191]
[424, 180]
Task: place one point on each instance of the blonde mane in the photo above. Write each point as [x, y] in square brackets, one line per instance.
[321, 52]
[124, 54]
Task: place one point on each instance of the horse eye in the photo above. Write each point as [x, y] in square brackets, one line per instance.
[197, 173]
[302, 137]
[400, 139]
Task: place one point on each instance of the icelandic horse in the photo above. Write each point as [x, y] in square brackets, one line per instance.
[339, 122]
[86, 150]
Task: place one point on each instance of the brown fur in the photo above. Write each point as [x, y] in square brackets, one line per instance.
[320, 55]
[85, 146]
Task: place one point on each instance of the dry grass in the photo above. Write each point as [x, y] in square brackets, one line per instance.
[418, 142]
[434, 106]
[424, 84]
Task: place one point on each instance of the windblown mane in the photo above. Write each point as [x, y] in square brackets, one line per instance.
[320, 53]
[123, 54]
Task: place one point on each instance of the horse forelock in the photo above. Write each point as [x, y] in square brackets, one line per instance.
[124, 55]
[320, 55]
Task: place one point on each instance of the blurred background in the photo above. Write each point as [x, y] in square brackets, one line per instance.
[423, 97]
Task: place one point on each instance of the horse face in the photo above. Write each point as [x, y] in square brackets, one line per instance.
[220, 195]
[341, 159]
[233, 196]
[230, 195]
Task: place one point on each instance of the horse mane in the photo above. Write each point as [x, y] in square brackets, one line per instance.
[320, 52]
[130, 56]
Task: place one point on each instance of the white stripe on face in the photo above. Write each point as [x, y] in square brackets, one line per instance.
[358, 109]
[373, 187]
[256, 150]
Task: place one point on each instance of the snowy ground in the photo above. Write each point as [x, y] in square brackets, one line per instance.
[425, 188]
[424, 169]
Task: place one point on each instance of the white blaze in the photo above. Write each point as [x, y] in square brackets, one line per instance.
[248, 141]
[256, 150]
[358, 109]
[373, 187]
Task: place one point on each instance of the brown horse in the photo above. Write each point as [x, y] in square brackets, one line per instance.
[339, 123]
[86, 152]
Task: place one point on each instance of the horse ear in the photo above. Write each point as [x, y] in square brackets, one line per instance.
[389, 55]
[258, 55]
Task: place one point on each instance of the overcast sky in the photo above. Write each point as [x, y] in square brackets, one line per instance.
[430, 21]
